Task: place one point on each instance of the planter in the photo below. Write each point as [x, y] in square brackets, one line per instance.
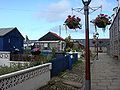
[102, 21]
[100, 24]
[73, 22]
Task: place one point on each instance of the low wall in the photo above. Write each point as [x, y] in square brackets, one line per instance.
[27, 79]
[4, 58]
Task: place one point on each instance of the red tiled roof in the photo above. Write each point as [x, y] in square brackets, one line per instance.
[57, 36]
[50, 36]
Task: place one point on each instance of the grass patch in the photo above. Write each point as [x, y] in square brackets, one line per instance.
[77, 63]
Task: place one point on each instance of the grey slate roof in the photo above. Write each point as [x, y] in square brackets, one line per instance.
[104, 43]
[4, 31]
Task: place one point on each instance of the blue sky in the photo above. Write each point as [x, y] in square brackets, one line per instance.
[37, 17]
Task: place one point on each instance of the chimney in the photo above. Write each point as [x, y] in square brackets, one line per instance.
[118, 4]
[115, 10]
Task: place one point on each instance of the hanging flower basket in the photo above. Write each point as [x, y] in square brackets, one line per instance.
[73, 22]
[102, 21]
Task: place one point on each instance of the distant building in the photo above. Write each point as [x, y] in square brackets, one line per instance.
[11, 40]
[29, 44]
[102, 44]
[49, 41]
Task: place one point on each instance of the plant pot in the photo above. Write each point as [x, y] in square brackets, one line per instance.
[73, 22]
[70, 26]
[100, 24]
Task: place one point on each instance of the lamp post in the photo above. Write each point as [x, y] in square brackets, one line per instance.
[94, 41]
[97, 35]
[87, 50]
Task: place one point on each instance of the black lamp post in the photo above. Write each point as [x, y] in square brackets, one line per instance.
[87, 50]
[97, 35]
[94, 41]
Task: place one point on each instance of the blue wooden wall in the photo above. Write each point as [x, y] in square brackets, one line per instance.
[12, 40]
[1, 43]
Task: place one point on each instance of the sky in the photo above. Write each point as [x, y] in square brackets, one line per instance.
[35, 18]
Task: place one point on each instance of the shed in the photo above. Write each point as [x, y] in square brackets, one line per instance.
[11, 39]
[51, 40]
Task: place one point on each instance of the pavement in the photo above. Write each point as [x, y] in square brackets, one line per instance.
[105, 73]
[68, 80]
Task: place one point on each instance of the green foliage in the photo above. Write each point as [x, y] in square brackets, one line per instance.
[71, 45]
[53, 52]
[34, 60]
[13, 67]
[17, 66]
[68, 49]
[77, 63]
[35, 63]
[27, 51]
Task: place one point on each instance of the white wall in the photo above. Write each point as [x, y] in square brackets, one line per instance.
[4, 58]
[28, 79]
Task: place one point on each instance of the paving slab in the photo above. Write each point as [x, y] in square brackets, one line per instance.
[105, 73]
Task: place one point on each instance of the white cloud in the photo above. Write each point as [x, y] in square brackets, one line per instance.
[107, 7]
[55, 11]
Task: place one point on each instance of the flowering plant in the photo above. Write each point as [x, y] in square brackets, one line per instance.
[102, 21]
[73, 22]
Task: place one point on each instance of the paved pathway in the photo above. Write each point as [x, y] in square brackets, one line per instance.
[69, 80]
[105, 73]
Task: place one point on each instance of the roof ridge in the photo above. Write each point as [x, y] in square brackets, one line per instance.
[56, 35]
[4, 31]
[8, 27]
[51, 36]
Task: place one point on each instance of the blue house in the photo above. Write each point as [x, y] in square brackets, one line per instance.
[11, 40]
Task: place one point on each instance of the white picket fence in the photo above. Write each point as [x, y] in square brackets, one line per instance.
[27, 79]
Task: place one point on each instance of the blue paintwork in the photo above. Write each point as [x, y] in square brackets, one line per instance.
[12, 40]
[1, 44]
[62, 63]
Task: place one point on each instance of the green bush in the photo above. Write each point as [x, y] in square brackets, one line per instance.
[16, 67]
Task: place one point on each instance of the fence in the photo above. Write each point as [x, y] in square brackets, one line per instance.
[62, 63]
[28, 79]
[26, 57]
[21, 57]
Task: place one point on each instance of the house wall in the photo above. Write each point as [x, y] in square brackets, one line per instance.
[13, 40]
[1, 43]
[57, 45]
[104, 44]
[115, 36]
